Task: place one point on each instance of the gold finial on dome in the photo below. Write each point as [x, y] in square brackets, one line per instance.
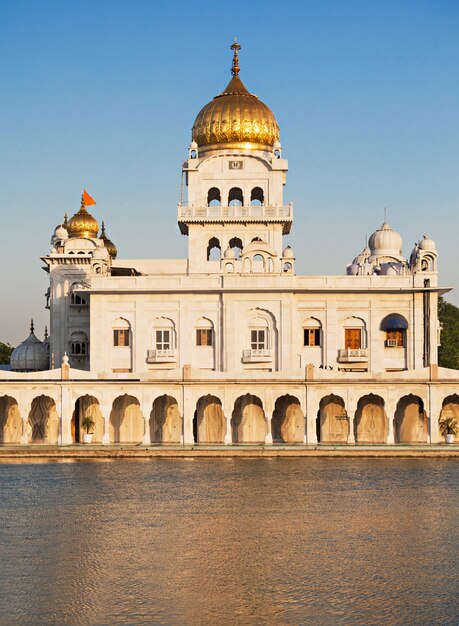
[235, 47]
[83, 224]
[235, 118]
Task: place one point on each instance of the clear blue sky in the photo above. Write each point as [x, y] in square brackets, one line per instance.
[103, 94]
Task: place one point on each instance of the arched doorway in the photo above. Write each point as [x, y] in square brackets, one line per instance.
[10, 420]
[371, 424]
[333, 420]
[43, 422]
[248, 423]
[209, 423]
[166, 421]
[410, 422]
[87, 405]
[126, 420]
[288, 420]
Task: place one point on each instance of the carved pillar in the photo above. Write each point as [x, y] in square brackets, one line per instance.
[228, 436]
[269, 435]
[105, 409]
[311, 416]
[65, 420]
[24, 409]
[351, 409]
[390, 412]
[146, 409]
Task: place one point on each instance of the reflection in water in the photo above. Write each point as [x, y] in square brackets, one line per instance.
[231, 541]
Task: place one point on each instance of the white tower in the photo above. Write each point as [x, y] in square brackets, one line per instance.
[235, 215]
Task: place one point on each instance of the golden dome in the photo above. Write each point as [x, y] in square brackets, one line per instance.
[111, 248]
[82, 224]
[235, 118]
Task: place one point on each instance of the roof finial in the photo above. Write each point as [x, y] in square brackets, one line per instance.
[235, 47]
[31, 326]
[65, 222]
[46, 333]
[385, 215]
[102, 232]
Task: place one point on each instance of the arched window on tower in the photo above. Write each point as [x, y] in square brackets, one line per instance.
[257, 196]
[236, 245]
[235, 197]
[213, 250]
[214, 197]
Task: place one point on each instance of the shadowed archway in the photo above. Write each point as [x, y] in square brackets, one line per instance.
[166, 421]
[287, 424]
[10, 420]
[210, 424]
[248, 423]
[410, 422]
[371, 424]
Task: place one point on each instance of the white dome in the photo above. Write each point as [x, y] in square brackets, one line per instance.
[427, 243]
[60, 232]
[288, 253]
[30, 355]
[362, 257]
[229, 253]
[385, 242]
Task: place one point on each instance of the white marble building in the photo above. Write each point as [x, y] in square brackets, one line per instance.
[230, 344]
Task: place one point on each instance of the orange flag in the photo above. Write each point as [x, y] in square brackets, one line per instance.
[87, 200]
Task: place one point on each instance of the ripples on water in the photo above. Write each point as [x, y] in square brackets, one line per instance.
[231, 541]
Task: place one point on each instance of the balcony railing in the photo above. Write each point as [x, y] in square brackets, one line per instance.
[186, 212]
[261, 355]
[161, 356]
[353, 355]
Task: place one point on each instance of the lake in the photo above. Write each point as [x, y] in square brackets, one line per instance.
[230, 541]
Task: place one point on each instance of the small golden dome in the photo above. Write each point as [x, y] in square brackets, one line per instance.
[111, 248]
[235, 118]
[83, 224]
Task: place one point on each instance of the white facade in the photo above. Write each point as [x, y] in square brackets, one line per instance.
[231, 332]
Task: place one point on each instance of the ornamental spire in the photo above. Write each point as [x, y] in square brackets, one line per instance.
[31, 326]
[235, 47]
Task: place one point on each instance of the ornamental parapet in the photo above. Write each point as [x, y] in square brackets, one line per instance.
[192, 214]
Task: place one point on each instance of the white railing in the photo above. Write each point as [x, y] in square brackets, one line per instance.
[235, 212]
[261, 355]
[161, 356]
[353, 354]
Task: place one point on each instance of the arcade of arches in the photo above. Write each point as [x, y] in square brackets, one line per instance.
[126, 419]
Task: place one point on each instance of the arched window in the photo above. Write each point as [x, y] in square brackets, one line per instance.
[236, 245]
[258, 263]
[395, 327]
[235, 197]
[259, 333]
[287, 268]
[213, 250]
[204, 332]
[257, 196]
[214, 197]
[354, 333]
[164, 334]
[77, 300]
[78, 344]
[121, 333]
[312, 332]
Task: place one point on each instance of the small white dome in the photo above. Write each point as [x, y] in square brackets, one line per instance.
[229, 253]
[30, 355]
[362, 257]
[193, 145]
[427, 243]
[385, 242]
[288, 253]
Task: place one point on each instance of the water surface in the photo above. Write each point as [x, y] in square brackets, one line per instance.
[230, 541]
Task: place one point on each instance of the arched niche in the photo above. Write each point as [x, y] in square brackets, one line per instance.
[235, 197]
[236, 245]
[410, 422]
[126, 420]
[371, 424]
[87, 405]
[43, 421]
[166, 421]
[257, 196]
[248, 422]
[333, 420]
[10, 420]
[287, 423]
[210, 423]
